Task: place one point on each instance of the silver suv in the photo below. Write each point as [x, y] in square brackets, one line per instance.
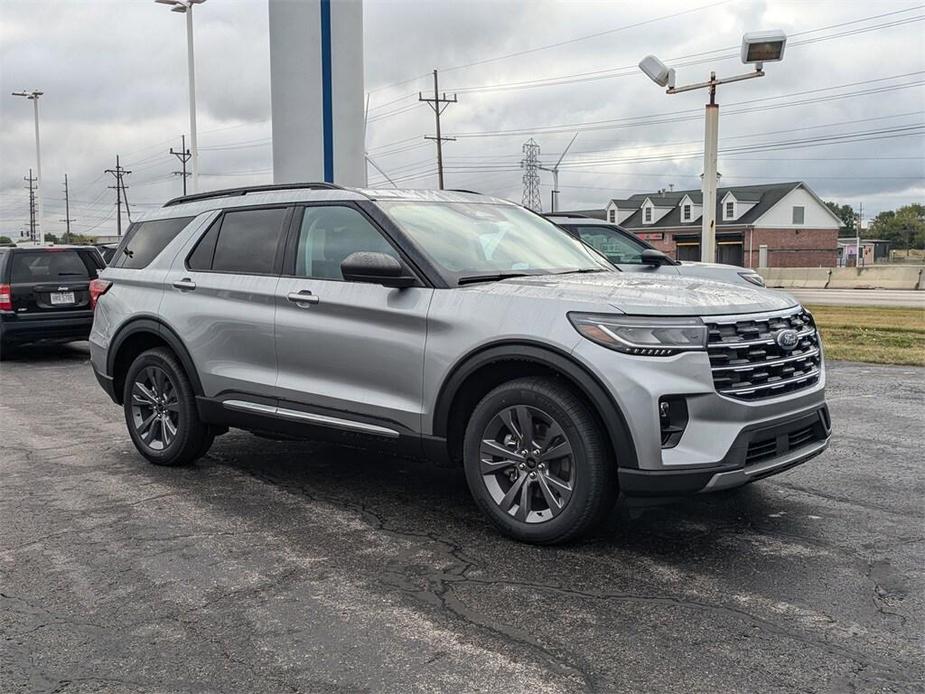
[457, 327]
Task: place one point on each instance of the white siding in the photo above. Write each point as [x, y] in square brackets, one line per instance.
[815, 216]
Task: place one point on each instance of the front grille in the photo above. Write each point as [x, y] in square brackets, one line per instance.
[748, 363]
[773, 445]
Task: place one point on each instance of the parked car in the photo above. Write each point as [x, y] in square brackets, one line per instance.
[44, 294]
[631, 254]
[459, 327]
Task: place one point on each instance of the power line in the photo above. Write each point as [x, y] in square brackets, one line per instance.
[438, 104]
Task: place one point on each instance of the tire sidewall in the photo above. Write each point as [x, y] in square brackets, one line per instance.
[187, 416]
[586, 476]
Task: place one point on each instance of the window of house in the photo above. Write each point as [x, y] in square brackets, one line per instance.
[686, 213]
[647, 215]
[241, 241]
[328, 235]
[612, 217]
[730, 210]
[798, 212]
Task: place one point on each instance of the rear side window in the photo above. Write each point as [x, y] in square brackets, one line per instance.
[49, 266]
[145, 240]
[243, 241]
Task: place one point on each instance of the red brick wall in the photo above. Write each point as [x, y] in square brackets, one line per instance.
[786, 247]
[795, 247]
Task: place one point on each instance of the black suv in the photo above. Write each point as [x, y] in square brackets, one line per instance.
[45, 294]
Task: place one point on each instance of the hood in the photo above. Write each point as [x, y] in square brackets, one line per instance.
[643, 294]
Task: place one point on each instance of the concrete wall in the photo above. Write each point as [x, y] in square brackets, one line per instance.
[877, 277]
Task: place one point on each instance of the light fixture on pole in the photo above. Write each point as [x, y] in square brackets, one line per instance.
[186, 7]
[757, 48]
[33, 95]
[554, 196]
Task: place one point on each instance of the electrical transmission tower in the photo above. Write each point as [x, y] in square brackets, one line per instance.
[67, 213]
[531, 164]
[184, 156]
[119, 173]
[439, 105]
[31, 180]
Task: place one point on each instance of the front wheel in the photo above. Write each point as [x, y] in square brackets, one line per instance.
[160, 410]
[537, 461]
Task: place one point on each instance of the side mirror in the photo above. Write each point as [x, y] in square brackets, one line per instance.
[650, 256]
[375, 268]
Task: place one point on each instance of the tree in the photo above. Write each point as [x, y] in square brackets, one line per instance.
[846, 214]
[6, 241]
[51, 238]
[904, 227]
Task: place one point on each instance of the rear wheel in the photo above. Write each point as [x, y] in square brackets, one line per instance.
[537, 462]
[160, 410]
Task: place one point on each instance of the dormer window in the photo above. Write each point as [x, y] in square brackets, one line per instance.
[730, 211]
[686, 213]
[647, 215]
[612, 216]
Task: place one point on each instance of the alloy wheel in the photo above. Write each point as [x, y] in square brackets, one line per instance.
[526, 463]
[155, 407]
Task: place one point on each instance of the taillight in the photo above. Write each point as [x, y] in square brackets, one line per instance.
[6, 298]
[98, 287]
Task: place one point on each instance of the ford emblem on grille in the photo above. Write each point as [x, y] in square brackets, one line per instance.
[787, 339]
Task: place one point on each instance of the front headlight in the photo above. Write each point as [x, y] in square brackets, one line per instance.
[752, 277]
[643, 336]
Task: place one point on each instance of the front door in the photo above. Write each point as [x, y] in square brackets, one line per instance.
[348, 350]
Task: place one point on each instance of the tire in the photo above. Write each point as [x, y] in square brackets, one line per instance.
[565, 484]
[158, 399]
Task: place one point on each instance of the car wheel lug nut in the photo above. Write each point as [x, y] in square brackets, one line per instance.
[532, 475]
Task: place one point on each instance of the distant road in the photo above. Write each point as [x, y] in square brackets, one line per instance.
[861, 297]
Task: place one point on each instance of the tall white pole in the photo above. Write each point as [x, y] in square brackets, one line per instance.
[194, 149]
[555, 190]
[710, 146]
[40, 222]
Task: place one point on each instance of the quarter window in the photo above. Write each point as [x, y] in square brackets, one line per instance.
[798, 213]
[145, 240]
[246, 242]
[329, 234]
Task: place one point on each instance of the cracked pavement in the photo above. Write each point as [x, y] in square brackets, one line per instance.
[280, 566]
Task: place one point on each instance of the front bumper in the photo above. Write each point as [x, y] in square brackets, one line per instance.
[758, 452]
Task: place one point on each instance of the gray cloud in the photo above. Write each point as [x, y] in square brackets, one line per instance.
[115, 79]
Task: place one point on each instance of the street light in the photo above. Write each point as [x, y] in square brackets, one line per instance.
[33, 95]
[186, 6]
[757, 48]
[554, 196]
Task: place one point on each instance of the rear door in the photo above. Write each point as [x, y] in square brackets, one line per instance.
[52, 281]
[220, 299]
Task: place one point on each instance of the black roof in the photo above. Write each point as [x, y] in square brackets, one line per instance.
[766, 196]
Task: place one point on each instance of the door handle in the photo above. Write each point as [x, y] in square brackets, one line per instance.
[303, 298]
[185, 283]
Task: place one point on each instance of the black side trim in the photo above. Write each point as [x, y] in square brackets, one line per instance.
[157, 327]
[106, 383]
[620, 438]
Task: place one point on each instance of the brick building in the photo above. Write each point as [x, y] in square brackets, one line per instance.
[770, 225]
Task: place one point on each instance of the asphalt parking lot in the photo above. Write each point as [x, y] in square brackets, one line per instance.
[276, 566]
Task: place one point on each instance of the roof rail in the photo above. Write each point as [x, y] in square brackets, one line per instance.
[463, 190]
[231, 192]
[567, 215]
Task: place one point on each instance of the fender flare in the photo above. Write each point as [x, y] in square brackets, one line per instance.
[155, 326]
[590, 386]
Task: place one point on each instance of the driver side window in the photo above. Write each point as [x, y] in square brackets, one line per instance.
[617, 247]
[328, 235]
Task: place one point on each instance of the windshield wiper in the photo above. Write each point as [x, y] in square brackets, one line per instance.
[581, 271]
[491, 277]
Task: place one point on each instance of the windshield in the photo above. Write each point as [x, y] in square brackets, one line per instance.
[471, 239]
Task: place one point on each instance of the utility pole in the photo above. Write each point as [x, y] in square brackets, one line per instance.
[857, 236]
[33, 96]
[184, 156]
[31, 182]
[439, 105]
[118, 173]
[67, 213]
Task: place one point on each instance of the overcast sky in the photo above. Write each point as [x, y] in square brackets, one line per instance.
[114, 77]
